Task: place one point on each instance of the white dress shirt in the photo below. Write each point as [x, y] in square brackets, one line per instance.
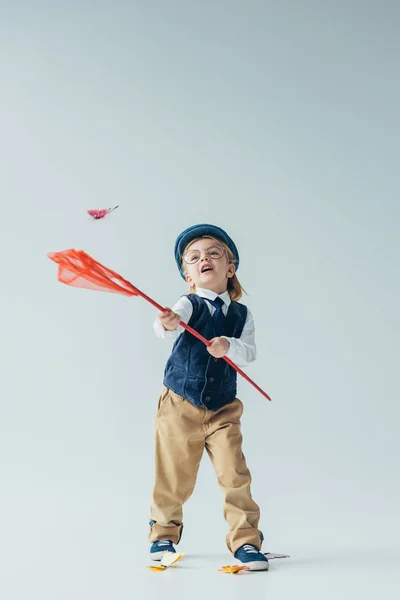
[242, 351]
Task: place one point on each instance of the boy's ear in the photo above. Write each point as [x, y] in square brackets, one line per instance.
[231, 270]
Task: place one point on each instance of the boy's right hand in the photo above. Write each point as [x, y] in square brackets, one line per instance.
[169, 319]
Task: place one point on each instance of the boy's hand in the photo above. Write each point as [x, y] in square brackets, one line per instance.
[169, 319]
[219, 347]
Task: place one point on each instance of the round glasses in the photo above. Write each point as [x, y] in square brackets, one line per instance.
[192, 256]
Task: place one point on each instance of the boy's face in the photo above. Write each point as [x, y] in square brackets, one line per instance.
[207, 265]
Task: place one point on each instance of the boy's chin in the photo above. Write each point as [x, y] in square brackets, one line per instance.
[208, 283]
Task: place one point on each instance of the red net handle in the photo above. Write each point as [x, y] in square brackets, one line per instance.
[78, 269]
[199, 337]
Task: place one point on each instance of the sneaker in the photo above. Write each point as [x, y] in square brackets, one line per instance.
[252, 558]
[159, 548]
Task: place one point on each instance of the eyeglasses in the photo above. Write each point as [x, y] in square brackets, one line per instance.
[192, 256]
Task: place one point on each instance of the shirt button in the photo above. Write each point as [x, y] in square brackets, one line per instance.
[207, 398]
[215, 359]
[212, 379]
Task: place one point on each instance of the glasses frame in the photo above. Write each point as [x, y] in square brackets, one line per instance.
[207, 254]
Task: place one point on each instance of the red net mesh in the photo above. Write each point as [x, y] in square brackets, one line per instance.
[78, 269]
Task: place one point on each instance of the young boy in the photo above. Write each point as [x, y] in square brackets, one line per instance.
[198, 408]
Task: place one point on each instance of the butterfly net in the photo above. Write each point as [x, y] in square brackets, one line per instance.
[78, 269]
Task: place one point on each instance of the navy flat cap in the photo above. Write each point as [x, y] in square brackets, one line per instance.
[197, 231]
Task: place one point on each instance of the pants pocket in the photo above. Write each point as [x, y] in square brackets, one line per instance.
[162, 397]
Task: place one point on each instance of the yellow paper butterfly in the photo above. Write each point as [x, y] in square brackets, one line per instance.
[169, 559]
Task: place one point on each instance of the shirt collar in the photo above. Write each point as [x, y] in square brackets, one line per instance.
[212, 295]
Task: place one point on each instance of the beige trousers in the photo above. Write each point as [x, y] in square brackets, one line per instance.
[182, 431]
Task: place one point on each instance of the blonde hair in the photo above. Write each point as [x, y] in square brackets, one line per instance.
[235, 290]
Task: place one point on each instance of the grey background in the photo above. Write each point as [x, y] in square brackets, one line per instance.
[279, 122]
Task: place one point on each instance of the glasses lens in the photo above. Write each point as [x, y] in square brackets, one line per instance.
[191, 257]
[215, 251]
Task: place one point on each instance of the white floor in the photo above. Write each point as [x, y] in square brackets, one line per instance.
[59, 549]
[320, 576]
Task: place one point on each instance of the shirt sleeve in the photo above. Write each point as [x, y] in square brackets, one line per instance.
[184, 309]
[242, 351]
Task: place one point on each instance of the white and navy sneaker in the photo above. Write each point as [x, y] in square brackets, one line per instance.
[252, 558]
[159, 548]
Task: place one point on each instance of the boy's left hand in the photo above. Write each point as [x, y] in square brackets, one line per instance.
[219, 347]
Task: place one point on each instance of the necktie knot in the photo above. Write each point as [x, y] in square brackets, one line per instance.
[217, 303]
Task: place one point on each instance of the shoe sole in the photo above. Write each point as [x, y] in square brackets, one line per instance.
[257, 565]
[158, 555]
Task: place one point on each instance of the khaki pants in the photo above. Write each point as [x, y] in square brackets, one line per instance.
[182, 431]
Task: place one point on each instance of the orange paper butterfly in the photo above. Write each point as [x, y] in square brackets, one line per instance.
[232, 569]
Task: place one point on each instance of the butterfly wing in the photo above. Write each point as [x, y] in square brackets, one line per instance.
[98, 213]
[157, 569]
[232, 569]
[170, 558]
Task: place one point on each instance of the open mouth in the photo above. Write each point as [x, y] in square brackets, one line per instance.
[206, 268]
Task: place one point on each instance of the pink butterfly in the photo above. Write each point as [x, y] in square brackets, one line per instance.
[275, 555]
[101, 213]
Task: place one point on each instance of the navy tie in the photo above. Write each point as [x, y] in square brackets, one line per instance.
[218, 316]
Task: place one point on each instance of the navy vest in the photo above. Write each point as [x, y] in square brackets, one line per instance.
[191, 372]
